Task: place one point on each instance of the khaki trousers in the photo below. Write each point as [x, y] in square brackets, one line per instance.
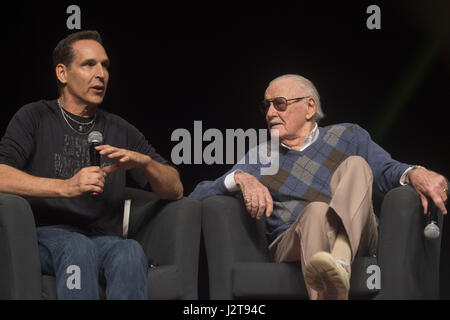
[317, 227]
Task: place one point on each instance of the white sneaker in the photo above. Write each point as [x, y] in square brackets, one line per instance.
[328, 276]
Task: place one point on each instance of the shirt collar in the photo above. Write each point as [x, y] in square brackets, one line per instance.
[310, 139]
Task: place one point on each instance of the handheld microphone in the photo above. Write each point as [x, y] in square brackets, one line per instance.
[95, 138]
[431, 230]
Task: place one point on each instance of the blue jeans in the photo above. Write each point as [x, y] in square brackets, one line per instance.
[79, 263]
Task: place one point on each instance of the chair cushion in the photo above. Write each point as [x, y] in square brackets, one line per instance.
[164, 283]
[262, 280]
[266, 280]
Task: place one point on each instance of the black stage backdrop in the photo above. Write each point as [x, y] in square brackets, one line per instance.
[175, 64]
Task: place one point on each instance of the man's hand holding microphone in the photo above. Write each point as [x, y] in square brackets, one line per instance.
[90, 179]
[87, 180]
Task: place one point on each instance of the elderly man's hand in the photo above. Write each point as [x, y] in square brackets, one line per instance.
[429, 184]
[256, 196]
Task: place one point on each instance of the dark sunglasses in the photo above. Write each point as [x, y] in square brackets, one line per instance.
[279, 103]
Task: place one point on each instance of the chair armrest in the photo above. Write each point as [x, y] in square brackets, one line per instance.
[231, 236]
[169, 232]
[227, 222]
[408, 261]
[20, 269]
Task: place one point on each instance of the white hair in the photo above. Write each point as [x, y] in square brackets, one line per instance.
[311, 90]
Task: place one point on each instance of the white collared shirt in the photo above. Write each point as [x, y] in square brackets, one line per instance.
[310, 139]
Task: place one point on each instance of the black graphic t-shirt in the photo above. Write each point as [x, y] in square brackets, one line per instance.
[40, 141]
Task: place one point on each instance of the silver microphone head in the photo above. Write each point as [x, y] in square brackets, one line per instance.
[431, 231]
[95, 137]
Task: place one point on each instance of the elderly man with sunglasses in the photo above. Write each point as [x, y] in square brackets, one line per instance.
[319, 204]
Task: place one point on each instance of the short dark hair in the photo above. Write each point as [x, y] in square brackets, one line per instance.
[64, 53]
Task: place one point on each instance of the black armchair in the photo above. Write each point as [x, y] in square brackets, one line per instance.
[240, 267]
[168, 231]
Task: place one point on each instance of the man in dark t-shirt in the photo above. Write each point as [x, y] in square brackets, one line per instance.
[78, 207]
